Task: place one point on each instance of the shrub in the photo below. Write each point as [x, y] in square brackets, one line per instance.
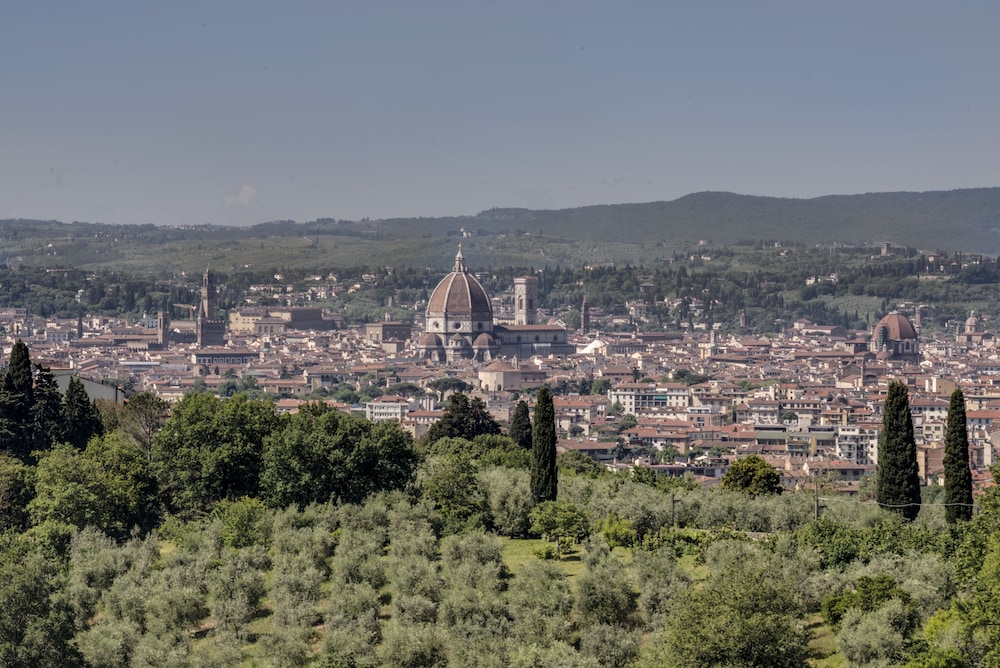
[245, 522]
[547, 551]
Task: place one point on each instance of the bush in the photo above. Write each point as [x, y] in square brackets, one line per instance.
[235, 590]
[558, 520]
[870, 594]
[878, 636]
[451, 483]
[508, 500]
[547, 551]
[110, 643]
[604, 594]
[411, 645]
[660, 582]
[617, 531]
[610, 645]
[539, 600]
[245, 522]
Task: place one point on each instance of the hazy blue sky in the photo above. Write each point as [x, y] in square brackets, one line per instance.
[236, 112]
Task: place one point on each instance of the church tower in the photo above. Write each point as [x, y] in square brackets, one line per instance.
[584, 316]
[525, 300]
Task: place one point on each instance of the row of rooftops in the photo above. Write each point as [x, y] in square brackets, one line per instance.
[822, 378]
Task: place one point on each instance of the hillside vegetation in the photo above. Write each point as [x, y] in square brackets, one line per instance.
[225, 534]
[954, 220]
[958, 220]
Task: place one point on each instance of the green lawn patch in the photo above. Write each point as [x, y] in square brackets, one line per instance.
[822, 645]
[519, 551]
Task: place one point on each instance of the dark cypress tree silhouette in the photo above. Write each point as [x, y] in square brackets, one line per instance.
[47, 411]
[520, 426]
[17, 398]
[544, 480]
[897, 475]
[80, 417]
[957, 476]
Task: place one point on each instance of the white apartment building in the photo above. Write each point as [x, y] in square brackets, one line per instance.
[637, 398]
[858, 443]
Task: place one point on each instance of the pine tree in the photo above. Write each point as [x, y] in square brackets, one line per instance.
[957, 476]
[520, 426]
[897, 474]
[544, 481]
[80, 417]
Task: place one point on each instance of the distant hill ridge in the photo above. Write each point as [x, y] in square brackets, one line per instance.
[966, 219]
[955, 220]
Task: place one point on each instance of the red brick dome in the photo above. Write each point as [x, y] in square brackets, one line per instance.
[459, 297]
[898, 327]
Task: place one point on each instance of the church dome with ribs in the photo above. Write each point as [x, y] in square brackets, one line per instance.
[459, 304]
[897, 327]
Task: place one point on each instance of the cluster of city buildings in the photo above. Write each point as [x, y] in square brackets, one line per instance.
[807, 399]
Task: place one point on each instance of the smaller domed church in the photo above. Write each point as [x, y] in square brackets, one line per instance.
[972, 335]
[895, 338]
[459, 322]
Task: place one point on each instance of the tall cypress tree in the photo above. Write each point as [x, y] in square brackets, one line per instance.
[80, 417]
[544, 481]
[897, 475]
[47, 410]
[17, 398]
[520, 426]
[957, 476]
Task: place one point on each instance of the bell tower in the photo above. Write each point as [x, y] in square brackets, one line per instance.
[525, 300]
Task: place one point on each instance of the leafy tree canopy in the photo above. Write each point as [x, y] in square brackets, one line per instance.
[752, 475]
[463, 419]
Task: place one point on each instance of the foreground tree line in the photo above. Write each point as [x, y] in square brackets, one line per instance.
[223, 533]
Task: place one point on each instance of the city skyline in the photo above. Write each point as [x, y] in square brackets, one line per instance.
[238, 113]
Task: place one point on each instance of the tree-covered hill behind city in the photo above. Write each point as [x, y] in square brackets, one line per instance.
[958, 220]
[953, 220]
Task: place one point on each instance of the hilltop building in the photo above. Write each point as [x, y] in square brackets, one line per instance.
[459, 322]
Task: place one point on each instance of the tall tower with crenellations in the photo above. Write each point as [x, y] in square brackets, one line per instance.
[207, 307]
[163, 328]
[209, 330]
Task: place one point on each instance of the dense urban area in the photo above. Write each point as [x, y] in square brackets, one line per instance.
[733, 457]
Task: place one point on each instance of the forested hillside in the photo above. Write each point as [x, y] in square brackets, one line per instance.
[952, 220]
[958, 220]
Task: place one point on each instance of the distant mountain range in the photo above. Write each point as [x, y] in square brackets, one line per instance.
[967, 220]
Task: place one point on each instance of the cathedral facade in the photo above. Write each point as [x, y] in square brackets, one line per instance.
[459, 322]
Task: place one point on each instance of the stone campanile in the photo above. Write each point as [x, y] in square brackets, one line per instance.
[525, 300]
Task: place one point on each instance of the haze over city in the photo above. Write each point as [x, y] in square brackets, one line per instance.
[242, 112]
